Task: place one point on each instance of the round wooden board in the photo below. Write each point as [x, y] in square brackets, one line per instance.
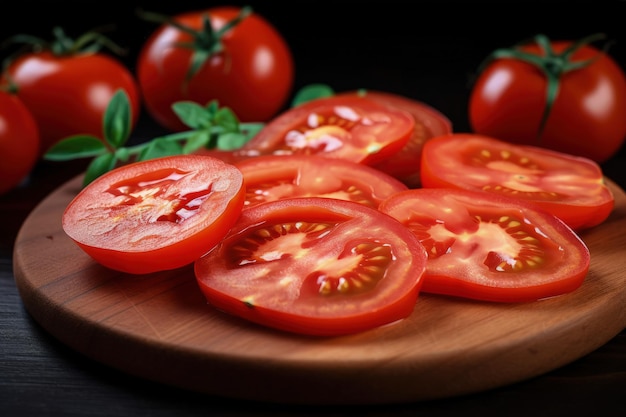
[160, 327]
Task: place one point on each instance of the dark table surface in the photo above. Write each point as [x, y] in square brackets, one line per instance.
[40, 376]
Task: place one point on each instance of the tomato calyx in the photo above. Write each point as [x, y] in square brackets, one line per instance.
[552, 64]
[205, 43]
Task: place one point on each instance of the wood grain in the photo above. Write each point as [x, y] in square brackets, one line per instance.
[159, 327]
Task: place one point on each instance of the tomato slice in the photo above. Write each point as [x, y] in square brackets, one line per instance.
[156, 215]
[346, 127]
[570, 187]
[270, 178]
[315, 266]
[490, 247]
[429, 122]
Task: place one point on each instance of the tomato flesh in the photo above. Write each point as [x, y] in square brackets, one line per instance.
[315, 266]
[156, 215]
[572, 188]
[490, 247]
[270, 178]
[346, 127]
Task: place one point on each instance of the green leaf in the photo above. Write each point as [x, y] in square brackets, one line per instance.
[159, 148]
[231, 141]
[197, 141]
[117, 120]
[251, 129]
[97, 167]
[312, 92]
[227, 120]
[192, 114]
[75, 147]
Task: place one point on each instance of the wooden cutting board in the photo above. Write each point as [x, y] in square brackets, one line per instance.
[160, 327]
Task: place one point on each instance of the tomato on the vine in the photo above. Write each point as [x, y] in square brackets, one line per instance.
[156, 215]
[490, 247]
[570, 187]
[561, 95]
[67, 89]
[271, 177]
[236, 57]
[19, 141]
[317, 266]
[350, 127]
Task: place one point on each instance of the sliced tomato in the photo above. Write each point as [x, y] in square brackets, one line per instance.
[429, 122]
[270, 178]
[570, 187]
[156, 215]
[490, 247]
[315, 266]
[346, 127]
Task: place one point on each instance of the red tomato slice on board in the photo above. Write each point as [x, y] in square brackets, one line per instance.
[315, 266]
[270, 178]
[348, 127]
[490, 247]
[156, 215]
[429, 122]
[570, 187]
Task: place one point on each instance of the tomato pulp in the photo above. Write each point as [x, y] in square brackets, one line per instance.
[490, 247]
[156, 215]
[570, 187]
[316, 266]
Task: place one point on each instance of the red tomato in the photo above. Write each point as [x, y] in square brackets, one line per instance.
[405, 164]
[19, 142]
[69, 94]
[490, 247]
[570, 187]
[270, 178]
[252, 75]
[347, 127]
[316, 266]
[587, 119]
[157, 214]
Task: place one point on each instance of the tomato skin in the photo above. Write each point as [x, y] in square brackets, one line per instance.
[274, 177]
[19, 141]
[253, 76]
[277, 285]
[570, 187]
[68, 95]
[490, 247]
[587, 119]
[156, 215]
[429, 122]
[353, 128]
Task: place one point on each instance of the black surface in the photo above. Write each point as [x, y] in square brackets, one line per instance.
[428, 51]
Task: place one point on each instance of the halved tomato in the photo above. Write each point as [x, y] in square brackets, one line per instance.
[490, 247]
[570, 187]
[316, 266]
[270, 178]
[429, 122]
[156, 215]
[347, 127]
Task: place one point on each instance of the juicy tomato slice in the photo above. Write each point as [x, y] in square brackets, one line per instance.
[270, 178]
[315, 266]
[570, 187]
[346, 127]
[429, 122]
[490, 247]
[156, 215]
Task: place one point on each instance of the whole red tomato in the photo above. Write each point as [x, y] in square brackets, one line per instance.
[562, 95]
[68, 90]
[19, 141]
[248, 66]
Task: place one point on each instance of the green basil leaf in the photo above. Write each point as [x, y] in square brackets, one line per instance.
[159, 148]
[75, 147]
[251, 129]
[97, 167]
[197, 141]
[117, 119]
[311, 92]
[231, 141]
[192, 114]
[227, 120]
